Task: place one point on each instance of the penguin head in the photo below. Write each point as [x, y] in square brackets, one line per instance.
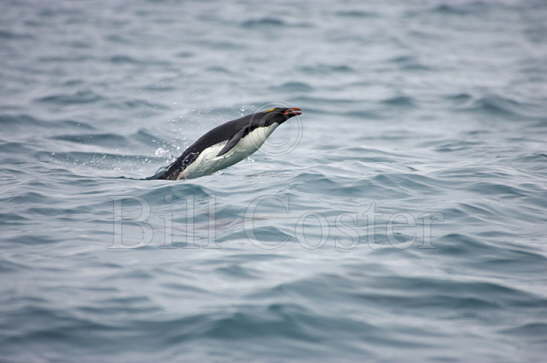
[278, 115]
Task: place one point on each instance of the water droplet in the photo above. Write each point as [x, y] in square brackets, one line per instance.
[161, 152]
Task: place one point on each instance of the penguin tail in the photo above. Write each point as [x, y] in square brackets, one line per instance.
[162, 173]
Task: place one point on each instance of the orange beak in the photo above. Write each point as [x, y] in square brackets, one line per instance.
[293, 111]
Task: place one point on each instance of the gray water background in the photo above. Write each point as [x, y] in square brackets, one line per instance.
[401, 218]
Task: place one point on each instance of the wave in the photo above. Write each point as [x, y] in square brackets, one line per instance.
[317, 183]
[400, 101]
[10, 219]
[31, 239]
[170, 192]
[359, 14]
[126, 59]
[260, 236]
[322, 68]
[15, 148]
[531, 330]
[106, 139]
[293, 87]
[409, 63]
[504, 107]
[22, 121]
[99, 160]
[503, 190]
[133, 104]
[79, 97]
[263, 22]
[11, 35]
[27, 197]
[469, 8]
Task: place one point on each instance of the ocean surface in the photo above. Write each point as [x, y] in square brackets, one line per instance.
[401, 218]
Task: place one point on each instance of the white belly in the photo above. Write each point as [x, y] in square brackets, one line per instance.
[208, 162]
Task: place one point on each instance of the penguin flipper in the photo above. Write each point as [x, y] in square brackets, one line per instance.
[234, 140]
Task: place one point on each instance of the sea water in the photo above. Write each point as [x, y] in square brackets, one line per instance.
[402, 217]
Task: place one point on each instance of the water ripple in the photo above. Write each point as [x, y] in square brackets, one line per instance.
[403, 217]
[79, 97]
[263, 22]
